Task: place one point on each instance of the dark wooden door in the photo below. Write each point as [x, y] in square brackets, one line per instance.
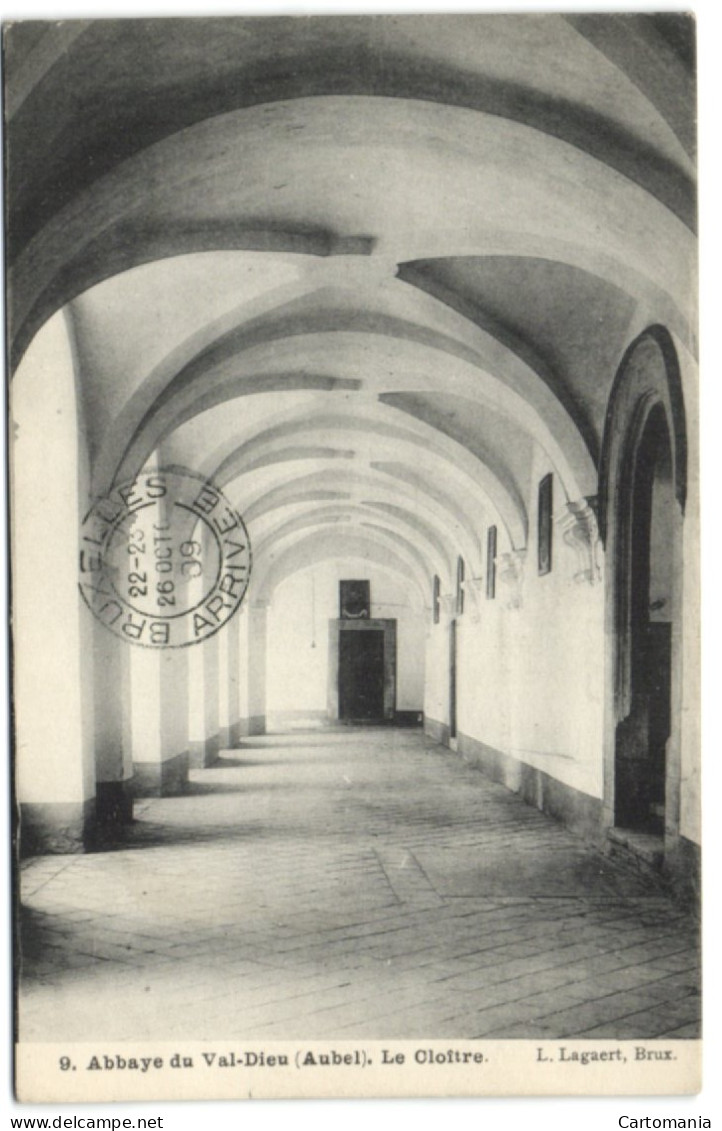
[642, 736]
[361, 675]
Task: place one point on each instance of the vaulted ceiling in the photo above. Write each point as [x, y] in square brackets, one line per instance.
[357, 269]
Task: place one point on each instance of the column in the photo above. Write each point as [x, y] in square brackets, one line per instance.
[53, 630]
[113, 753]
[158, 730]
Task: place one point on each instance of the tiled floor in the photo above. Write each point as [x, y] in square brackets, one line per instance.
[348, 883]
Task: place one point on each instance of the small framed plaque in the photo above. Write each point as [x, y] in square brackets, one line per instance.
[544, 517]
[354, 599]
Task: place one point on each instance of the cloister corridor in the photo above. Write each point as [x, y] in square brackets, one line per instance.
[349, 882]
[354, 511]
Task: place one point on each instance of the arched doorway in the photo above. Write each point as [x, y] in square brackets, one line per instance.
[642, 495]
[641, 739]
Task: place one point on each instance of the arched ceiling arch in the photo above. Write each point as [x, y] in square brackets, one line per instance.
[364, 271]
[370, 359]
[251, 349]
[417, 508]
[469, 492]
[417, 542]
[411, 180]
[465, 489]
[142, 80]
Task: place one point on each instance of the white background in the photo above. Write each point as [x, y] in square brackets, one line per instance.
[465, 1115]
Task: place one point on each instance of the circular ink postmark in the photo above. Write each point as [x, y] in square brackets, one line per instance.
[165, 560]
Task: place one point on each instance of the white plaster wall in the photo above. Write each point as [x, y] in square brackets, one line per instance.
[530, 679]
[436, 690]
[298, 618]
[52, 628]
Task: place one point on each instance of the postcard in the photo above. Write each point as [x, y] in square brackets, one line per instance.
[354, 555]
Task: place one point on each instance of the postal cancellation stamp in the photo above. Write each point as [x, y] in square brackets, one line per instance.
[164, 560]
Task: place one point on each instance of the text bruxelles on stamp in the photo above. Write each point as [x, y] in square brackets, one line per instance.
[165, 560]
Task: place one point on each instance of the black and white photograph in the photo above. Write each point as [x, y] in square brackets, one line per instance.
[354, 554]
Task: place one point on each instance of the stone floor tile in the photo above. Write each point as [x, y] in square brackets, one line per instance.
[349, 883]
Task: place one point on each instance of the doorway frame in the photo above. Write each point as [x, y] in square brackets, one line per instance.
[648, 378]
[388, 627]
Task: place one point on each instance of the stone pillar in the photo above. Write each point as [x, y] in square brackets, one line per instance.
[158, 733]
[203, 673]
[228, 683]
[242, 649]
[510, 575]
[156, 705]
[53, 630]
[113, 754]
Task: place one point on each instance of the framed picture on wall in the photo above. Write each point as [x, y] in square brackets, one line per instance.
[460, 574]
[544, 520]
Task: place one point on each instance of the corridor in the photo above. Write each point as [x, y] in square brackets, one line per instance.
[344, 882]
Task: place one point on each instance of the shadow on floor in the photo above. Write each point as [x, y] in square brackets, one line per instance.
[272, 741]
[200, 788]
